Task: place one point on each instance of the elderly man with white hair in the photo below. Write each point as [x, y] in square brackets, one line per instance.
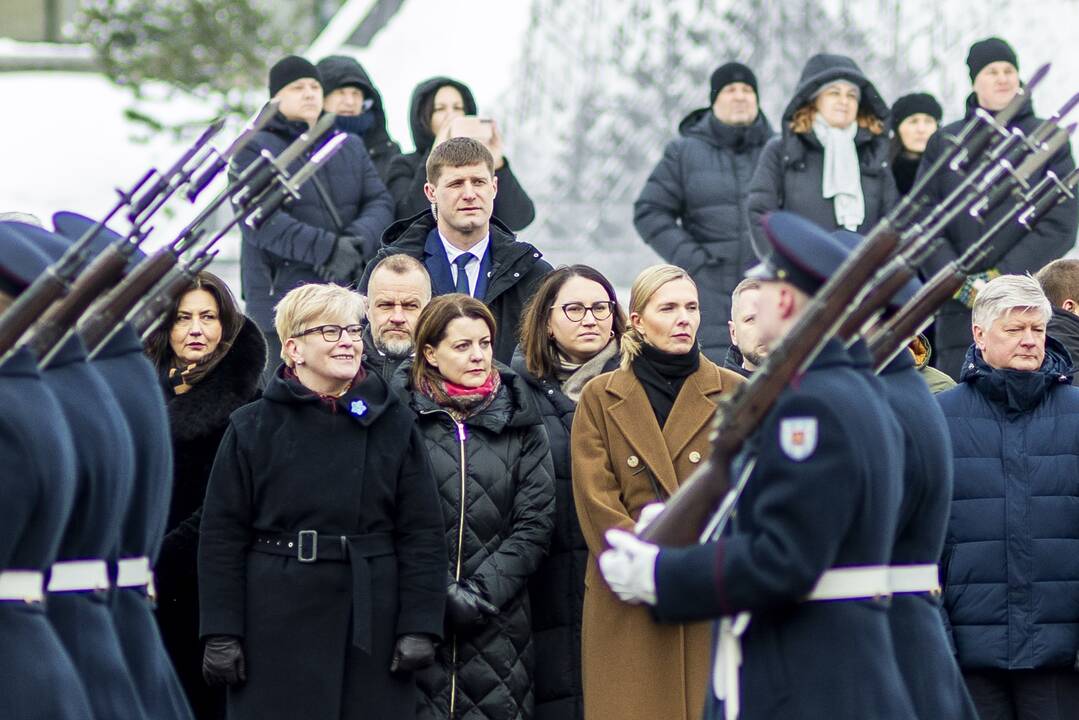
[1010, 568]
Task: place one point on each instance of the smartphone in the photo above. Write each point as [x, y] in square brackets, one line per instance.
[474, 127]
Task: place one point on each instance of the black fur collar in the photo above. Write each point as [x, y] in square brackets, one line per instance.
[206, 407]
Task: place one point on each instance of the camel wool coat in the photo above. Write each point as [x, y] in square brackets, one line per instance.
[632, 667]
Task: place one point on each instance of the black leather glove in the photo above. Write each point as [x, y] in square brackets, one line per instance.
[345, 265]
[223, 661]
[466, 608]
[412, 652]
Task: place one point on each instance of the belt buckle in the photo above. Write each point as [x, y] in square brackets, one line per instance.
[312, 535]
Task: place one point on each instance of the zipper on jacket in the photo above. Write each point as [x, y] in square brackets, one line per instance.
[460, 542]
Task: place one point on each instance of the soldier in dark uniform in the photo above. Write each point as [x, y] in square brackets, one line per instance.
[38, 680]
[78, 584]
[801, 582]
[127, 371]
[925, 657]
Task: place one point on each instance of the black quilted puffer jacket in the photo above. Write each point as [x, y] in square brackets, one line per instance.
[495, 477]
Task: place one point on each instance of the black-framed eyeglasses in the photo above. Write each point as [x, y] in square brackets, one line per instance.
[332, 333]
[575, 312]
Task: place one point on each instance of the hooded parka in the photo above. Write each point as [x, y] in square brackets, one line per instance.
[408, 173]
[790, 172]
[318, 636]
[494, 475]
[692, 212]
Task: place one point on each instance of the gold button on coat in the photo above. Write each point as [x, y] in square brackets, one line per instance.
[632, 461]
[694, 457]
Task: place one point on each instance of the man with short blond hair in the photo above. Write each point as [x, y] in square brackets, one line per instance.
[1060, 281]
[748, 348]
[464, 248]
[1010, 586]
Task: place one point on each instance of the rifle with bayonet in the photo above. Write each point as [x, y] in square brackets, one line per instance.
[148, 292]
[102, 274]
[888, 340]
[58, 279]
[691, 512]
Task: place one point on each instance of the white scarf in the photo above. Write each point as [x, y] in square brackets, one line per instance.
[842, 173]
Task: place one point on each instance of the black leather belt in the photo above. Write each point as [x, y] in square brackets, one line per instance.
[310, 546]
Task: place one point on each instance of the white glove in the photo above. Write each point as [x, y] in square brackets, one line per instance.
[629, 567]
[648, 513]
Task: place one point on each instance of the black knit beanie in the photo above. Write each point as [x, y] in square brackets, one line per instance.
[732, 72]
[290, 69]
[912, 105]
[987, 51]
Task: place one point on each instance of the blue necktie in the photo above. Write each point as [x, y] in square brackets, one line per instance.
[462, 277]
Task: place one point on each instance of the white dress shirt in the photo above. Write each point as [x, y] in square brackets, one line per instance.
[472, 269]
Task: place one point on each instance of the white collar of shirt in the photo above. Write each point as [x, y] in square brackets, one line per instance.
[472, 269]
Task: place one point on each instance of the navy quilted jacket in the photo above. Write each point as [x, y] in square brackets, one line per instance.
[1011, 555]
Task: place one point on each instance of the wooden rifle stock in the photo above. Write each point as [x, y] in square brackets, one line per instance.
[912, 317]
[114, 307]
[877, 299]
[103, 273]
[689, 510]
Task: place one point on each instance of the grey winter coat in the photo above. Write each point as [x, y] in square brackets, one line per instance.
[692, 212]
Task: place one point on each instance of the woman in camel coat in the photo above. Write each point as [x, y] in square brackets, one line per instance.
[639, 432]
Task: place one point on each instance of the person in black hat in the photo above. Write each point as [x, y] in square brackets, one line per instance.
[799, 580]
[348, 91]
[332, 230]
[914, 119]
[994, 73]
[692, 209]
[831, 163]
[38, 680]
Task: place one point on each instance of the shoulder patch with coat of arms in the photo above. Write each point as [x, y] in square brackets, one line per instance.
[798, 437]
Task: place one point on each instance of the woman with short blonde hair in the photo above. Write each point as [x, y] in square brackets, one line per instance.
[638, 434]
[831, 163]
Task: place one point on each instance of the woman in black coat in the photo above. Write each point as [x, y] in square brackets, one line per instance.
[490, 457]
[830, 165]
[913, 121]
[209, 358]
[570, 332]
[436, 102]
[321, 557]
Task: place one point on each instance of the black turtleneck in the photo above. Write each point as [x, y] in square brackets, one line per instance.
[905, 170]
[662, 374]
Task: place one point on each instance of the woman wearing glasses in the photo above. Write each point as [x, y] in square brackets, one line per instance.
[569, 335]
[640, 432]
[322, 560]
[491, 462]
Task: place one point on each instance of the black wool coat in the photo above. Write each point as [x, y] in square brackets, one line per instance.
[408, 173]
[821, 496]
[283, 253]
[790, 172]
[289, 463]
[517, 268]
[494, 477]
[133, 380]
[1050, 239]
[105, 469]
[38, 680]
[1064, 326]
[197, 420]
[556, 591]
[692, 212]
[922, 649]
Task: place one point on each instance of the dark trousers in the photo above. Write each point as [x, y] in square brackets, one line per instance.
[1050, 694]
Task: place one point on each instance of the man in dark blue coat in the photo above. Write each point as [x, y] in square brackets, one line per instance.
[1011, 578]
[463, 246]
[332, 230]
[38, 680]
[994, 73]
[692, 209]
[801, 580]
